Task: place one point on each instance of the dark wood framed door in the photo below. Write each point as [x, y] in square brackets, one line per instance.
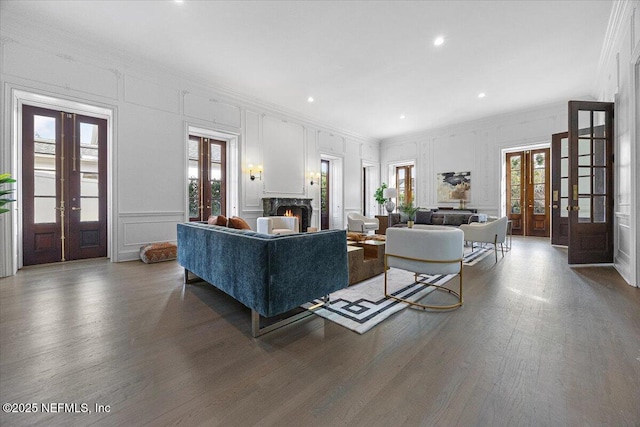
[515, 191]
[64, 188]
[207, 186]
[528, 186]
[405, 183]
[537, 194]
[560, 189]
[591, 182]
[325, 186]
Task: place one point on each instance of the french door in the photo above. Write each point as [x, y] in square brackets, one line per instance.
[64, 186]
[527, 192]
[325, 187]
[591, 182]
[207, 178]
[560, 189]
[405, 183]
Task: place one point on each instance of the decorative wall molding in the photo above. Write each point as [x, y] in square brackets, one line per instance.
[152, 95]
[619, 12]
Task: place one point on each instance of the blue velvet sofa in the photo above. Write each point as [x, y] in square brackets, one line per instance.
[270, 274]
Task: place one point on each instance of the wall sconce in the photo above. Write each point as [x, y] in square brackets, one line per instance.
[258, 171]
[317, 177]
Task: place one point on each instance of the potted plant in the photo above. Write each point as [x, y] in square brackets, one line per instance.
[410, 210]
[5, 178]
[379, 195]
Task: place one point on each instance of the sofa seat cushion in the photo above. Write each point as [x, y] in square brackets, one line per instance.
[158, 252]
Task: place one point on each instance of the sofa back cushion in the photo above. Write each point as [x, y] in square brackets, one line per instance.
[423, 217]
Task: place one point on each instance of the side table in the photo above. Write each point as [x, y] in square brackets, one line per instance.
[384, 223]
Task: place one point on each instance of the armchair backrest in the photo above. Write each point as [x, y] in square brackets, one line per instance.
[428, 251]
[500, 229]
[267, 224]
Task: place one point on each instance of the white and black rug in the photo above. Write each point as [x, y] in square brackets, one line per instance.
[362, 306]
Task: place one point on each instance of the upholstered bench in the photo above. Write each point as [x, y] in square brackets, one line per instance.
[158, 252]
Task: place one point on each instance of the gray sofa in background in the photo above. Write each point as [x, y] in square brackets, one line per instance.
[434, 217]
[270, 274]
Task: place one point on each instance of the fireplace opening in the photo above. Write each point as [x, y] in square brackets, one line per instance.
[291, 211]
[300, 208]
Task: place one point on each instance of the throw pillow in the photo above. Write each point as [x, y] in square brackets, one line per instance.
[239, 223]
[423, 217]
[218, 220]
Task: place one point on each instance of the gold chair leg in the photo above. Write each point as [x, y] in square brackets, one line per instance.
[437, 287]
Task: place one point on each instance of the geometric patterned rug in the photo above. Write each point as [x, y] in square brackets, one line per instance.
[362, 306]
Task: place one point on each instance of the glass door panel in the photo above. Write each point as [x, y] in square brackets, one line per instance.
[590, 176]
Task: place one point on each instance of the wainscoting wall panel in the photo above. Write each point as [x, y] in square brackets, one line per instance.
[284, 161]
[139, 228]
[252, 155]
[150, 94]
[331, 143]
[61, 70]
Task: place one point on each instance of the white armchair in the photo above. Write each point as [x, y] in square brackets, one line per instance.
[425, 251]
[361, 224]
[277, 225]
[487, 232]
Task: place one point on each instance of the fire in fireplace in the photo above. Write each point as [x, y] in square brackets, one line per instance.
[278, 206]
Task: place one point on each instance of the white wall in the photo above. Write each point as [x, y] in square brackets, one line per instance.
[476, 147]
[152, 110]
[617, 83]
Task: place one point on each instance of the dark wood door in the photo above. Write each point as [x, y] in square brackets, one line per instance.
[516, 191]
[325, 185]
[560, 189]
[207, 178]
[537, 194]
[591, 181]
[64, 187]
[528, 186]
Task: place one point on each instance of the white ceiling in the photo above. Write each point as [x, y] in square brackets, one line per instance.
[365, 63]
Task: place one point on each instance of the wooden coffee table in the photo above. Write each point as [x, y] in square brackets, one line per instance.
[366, 259]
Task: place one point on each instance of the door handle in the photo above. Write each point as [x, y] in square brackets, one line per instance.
[73, 208]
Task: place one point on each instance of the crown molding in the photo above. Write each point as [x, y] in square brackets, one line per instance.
[17, 28]
[484, 122]
[620, 12]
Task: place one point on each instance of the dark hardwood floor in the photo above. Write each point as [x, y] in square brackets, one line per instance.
[535, 344]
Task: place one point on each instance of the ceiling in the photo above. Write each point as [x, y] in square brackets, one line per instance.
[364, 63]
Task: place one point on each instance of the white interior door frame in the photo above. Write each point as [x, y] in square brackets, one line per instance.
[233, 170]
[336, 189]
[19, 97]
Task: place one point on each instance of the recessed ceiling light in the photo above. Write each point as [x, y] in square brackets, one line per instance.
[438, 41]
[402, 116]
[310, 99]
[482, 95]
[179, 1]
